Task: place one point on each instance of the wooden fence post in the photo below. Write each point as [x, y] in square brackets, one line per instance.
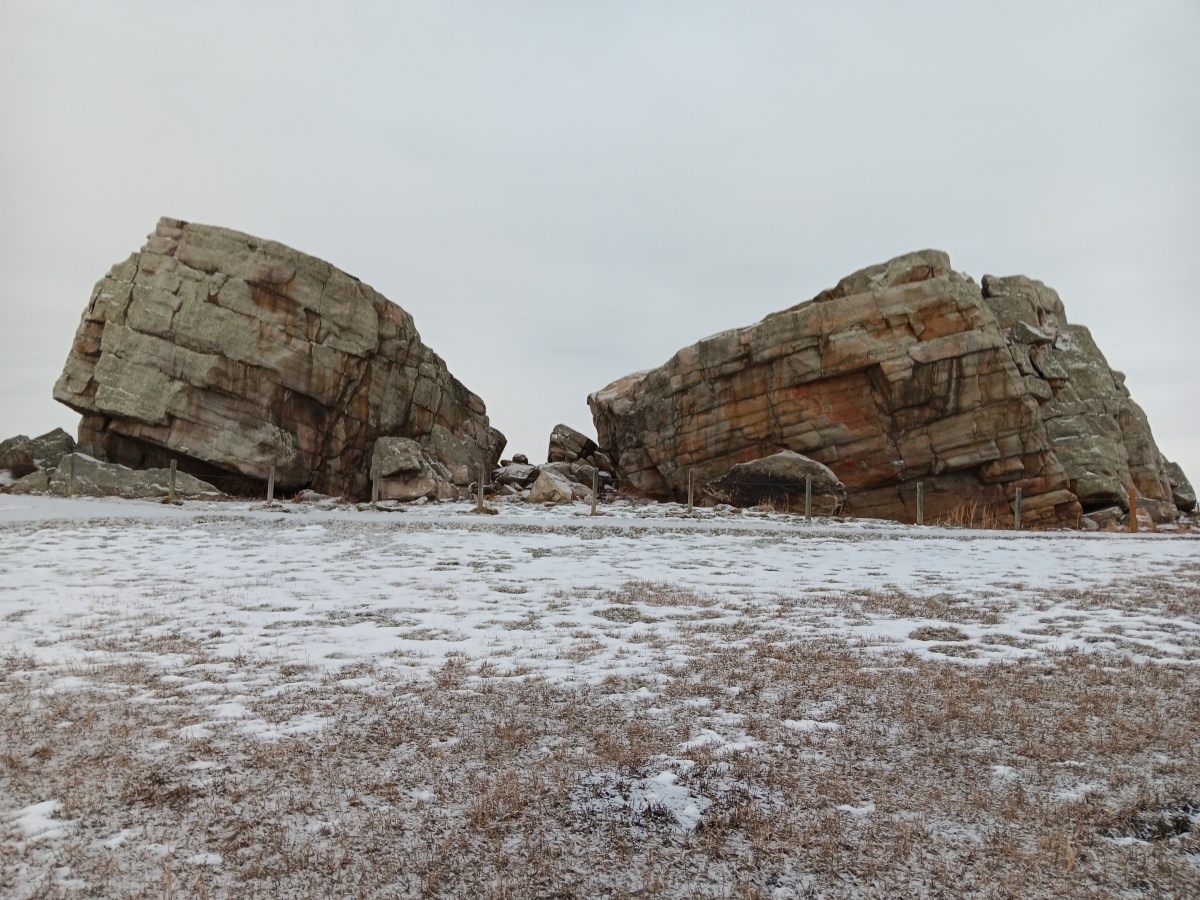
[1133, 511]
[920, 503]
[374, 488]
[171, 488]
[595, 488]
[1017, 513]
[691, 478]
[808, 496]
[479, 493]
[271, 486]
[71, 478]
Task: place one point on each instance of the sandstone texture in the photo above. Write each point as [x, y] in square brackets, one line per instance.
[234, 354]
[780, 480]
[904, 372]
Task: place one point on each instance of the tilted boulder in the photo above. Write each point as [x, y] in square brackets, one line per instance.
[235, 354]
[781, 480]
[904, 372]
[569, 445]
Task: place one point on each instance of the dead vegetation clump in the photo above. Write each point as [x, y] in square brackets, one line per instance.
[775, 769]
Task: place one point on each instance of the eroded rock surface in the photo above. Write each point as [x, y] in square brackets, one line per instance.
[233, 354]
[907, 371]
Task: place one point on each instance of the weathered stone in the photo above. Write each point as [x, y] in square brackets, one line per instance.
[47, 449]
[37, 482]
[94, 478]
[1101, 437]
[406, 472]
[235, 354]
[550, 487]
[569, 445]
[904, 372]
[517, 474]
[520, 459]
[1181, 489]
[899, 374]
[1160, 510]
[23, 454]
[779, 480]
[18, 461]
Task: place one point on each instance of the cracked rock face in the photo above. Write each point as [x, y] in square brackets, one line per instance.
[234, 354]
[904, 372]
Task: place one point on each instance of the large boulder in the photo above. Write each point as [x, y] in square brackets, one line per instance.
[94, 478]
[235, 354]
[781, 481]
[904, 372]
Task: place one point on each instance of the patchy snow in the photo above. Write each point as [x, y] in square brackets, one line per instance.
[38, 821]
[434, 592]
[546, 590]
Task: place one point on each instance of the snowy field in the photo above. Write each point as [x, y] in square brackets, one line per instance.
[222, 699]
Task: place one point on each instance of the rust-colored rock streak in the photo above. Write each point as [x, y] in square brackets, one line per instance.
[235, 354]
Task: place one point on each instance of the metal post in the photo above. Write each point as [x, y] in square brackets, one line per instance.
[595, 488]
[920, 503]
[71, 478]
[271, 486]
[171, 489]
[1132, 511]
[1017, 513]
[691, 479]
[479, 496]
[808, 496]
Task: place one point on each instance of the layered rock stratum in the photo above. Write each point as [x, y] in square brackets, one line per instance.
[234, 354]
[905, 372]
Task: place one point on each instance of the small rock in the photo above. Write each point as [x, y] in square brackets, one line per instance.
[780, 478]
[550, 487]
[520, 459]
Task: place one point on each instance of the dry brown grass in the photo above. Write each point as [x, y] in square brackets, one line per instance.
[974, 514]
[514, 787]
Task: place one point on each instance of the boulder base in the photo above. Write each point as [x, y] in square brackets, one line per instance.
[94, 478]
[780, 480]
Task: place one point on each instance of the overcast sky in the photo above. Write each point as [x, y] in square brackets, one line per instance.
[565, 192]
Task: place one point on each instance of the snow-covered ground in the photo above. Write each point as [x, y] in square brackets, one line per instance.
[220, 601]
[556, 591]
